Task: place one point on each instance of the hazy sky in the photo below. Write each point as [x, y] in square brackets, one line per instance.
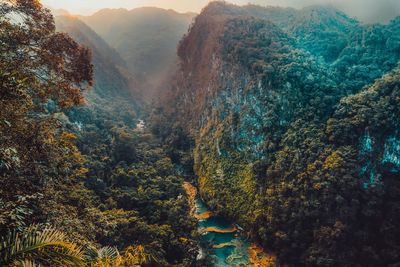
[367, 10]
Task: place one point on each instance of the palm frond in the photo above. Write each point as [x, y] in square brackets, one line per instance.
[41, 245]
[93, 254]
[27, 263]
[133, 256]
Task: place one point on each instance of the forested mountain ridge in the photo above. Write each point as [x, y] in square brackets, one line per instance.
[287, 121]
[293, 117]
[114, 91]
[145, 37]
[110, 69]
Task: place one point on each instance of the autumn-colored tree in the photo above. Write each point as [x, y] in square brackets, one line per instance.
[41, 73]
[118, 188]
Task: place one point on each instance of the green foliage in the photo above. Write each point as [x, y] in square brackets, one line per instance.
[296, 129]
[44, 246]
[130, 193]
[38, 246]
[87, 170]
[37, 66]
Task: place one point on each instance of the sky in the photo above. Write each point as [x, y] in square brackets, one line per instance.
[366, 10]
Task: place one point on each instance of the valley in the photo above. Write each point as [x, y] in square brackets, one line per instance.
[237, 136]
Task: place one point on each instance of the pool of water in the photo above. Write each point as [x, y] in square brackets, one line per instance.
[229, 248]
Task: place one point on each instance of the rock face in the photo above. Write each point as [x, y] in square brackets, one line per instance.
[295, 118]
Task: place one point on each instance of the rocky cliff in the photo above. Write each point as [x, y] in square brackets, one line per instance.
[294, 117]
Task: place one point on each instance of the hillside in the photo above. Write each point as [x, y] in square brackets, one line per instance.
[115, 94]
[293, 116]
[110, 68]
[146, 38]
[122, 160]
[86, 183]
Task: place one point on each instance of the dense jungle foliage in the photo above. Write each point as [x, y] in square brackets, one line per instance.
[295, 119]
[74, 159]
[287, 120]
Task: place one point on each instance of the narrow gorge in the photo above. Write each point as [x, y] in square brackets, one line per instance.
[239, 135]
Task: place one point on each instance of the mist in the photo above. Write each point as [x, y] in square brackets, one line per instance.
[368, 11]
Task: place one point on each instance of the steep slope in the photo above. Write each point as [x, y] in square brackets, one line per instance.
[109, 77]
[115, 92]
[145, 37]
[281, 144]
[358, 53]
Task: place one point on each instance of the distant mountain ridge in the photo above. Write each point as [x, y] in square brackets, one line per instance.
[115, 93]
[146, 38]
[108, 77]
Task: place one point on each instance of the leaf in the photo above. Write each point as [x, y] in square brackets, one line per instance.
[38, 245]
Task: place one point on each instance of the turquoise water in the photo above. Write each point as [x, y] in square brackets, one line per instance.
[235, 254]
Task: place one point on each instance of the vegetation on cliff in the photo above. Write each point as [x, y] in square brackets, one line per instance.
[290, 120]
[294, 116]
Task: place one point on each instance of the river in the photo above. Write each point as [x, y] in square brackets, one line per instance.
[227, 243]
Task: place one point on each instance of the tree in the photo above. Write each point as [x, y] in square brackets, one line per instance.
[41, 73]
[46, 246]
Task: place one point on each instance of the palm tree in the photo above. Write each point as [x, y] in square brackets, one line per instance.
[36, 246]
[39, 246]
[28, 263]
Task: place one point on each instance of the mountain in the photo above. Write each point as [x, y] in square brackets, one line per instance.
[286, 122]
[292, 121]
[59, 12]
[145, 37]
[109, 74]
[113, 87]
